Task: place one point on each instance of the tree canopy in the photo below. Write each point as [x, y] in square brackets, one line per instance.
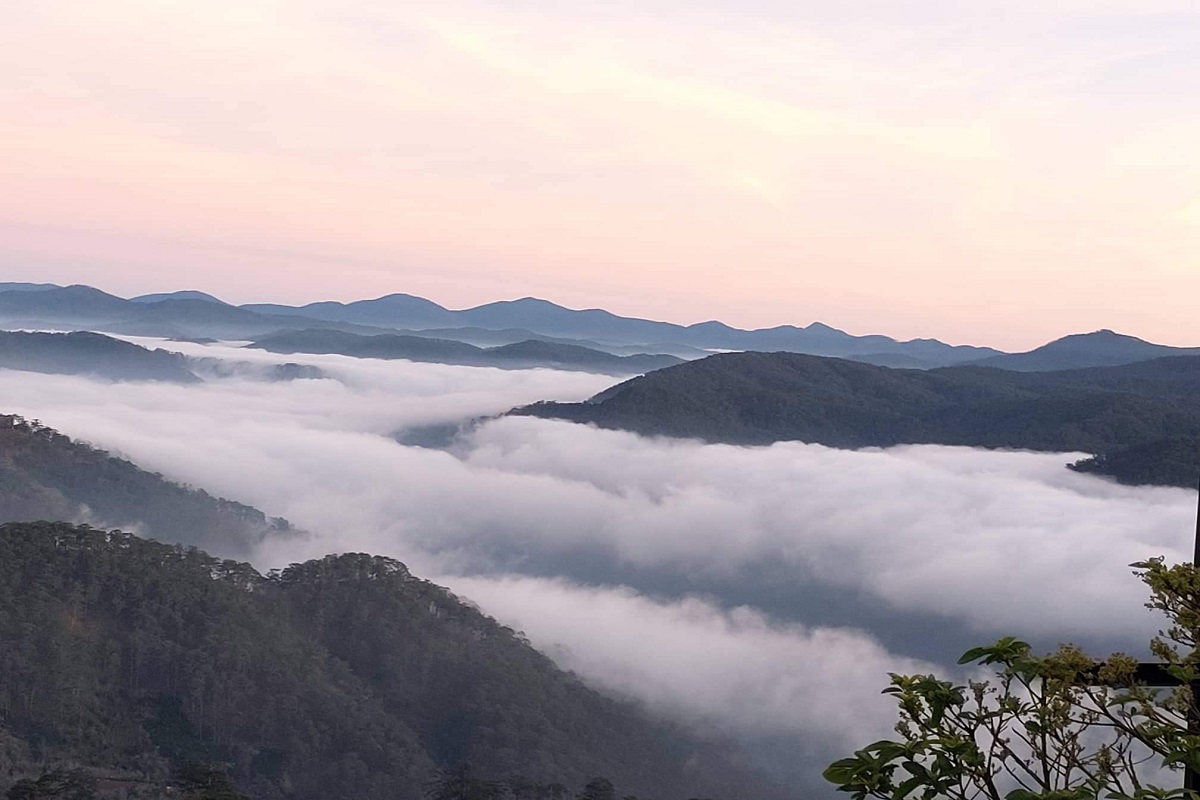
[1063, 726]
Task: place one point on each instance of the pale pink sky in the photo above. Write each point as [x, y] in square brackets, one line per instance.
[988, 172]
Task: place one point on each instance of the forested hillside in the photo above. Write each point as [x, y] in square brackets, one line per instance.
[758, 398]
[91, 354]
[44, 475]
[343, 678]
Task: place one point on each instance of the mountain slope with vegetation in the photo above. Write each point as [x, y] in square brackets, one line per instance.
[344, 677]
[759, 398]
[45, 475]
[91, 354]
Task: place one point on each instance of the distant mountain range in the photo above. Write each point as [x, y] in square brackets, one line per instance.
[192, 314]
[520, 355]
[85, 308]
[759, 398]
[548, 319]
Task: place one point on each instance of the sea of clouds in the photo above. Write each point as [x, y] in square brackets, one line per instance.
[764, 592]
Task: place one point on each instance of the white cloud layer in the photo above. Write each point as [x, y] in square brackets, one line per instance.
[694, 661]
[523, 514]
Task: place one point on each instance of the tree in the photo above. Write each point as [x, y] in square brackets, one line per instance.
[59, 784]
[200, 781]
[1055, 727]
[461, 784]
[598, 789]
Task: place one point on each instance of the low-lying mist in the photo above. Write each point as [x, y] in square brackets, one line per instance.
[762, 591]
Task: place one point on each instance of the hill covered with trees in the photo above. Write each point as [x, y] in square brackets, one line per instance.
[759, 398]
[91, 354]
[341, 678]
[46, 475]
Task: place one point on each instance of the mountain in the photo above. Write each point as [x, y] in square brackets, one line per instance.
[46, 475]
[91, 354]
[1173, 461]
[187, 294]
[192, 314]
[1102, 348]
[345, 677]
[488, 337]
[520, 355]
[19, 286]
[74, 302]
[393, 310]
[547, 319]
[85, 308]
[759, 398]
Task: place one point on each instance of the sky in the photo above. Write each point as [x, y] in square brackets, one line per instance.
[746, 589]
[984, 172]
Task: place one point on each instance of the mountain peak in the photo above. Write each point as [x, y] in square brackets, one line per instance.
[186, 294]
[1101, 348]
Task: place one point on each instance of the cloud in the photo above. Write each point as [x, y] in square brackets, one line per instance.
[723, 585]
[932, 530]
[704, 664]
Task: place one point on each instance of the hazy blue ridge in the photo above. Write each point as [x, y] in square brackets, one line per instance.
[518, 355]
[1103, 348]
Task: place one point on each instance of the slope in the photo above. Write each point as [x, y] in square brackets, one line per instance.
[46, 475]
[758, 398]
[91, 354]
[340, 678]
[1103, 348]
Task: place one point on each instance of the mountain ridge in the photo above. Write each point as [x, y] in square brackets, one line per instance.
[517, 355]
[1102, 348]
[192, 314]
[762, 398]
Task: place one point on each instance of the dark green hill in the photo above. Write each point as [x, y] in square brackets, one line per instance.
[1162, 462]
[519, 355]
[46, 475]
[339, 679]
[758, 398]
[91, 354]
